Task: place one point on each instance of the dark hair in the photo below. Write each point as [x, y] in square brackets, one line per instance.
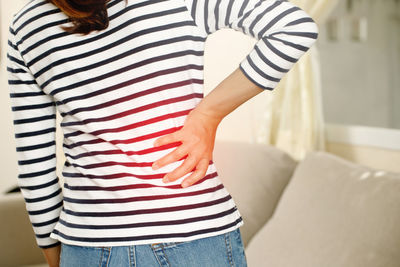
[85, 15]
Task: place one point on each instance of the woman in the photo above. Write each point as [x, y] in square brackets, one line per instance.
[140, 187]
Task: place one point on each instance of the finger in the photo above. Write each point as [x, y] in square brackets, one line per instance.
[176, 155]
[198, 174]
[166, 139]
[187, 166]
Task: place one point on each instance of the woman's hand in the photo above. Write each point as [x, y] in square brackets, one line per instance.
[197, 137]
[52, 255]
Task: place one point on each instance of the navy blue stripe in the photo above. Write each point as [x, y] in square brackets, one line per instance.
[300, 21]
[149, 211]
[129, 141]
[43, 235]
[43, 41]
[148, 237]
[143, 198]
[247, 14]
[16, 82]
[279, 53]
[29, 107]
[216, 14]
[113, 3]
[133, 125]
[276, 19]
[36, 160]
[132, 7]
[243, 7]
[260, 72]
[41, 224]
[206, 7]
[81, 143]
[268, 62]
[34, 147]
[35, 174]
[42, 15]
[228, 13]
[46, 197]
[38, 212]
[111, 163]
[35, 133]
[193, 10]
[15, 47]
[50, 246]
[15, 70]
[40, 186]
[254, 81]
[151, 224]
[39, 29]
[262, 15]
[16, 60]
[311, 35]
[124, 175]
[123, 187]
[296, 46]
[27, 94]
[36, 119]
[27, 10]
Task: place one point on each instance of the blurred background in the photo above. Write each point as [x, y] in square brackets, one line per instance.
[342, 97]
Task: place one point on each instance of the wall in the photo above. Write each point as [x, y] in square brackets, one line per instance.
[378, 158]
[361, 79]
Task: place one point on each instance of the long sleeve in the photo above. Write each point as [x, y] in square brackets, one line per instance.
[284, 33]
[34, 126]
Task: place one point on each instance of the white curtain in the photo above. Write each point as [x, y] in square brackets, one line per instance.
[293, 111]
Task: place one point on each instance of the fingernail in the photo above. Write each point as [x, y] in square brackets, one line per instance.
[185, 184]
[155, 166]
[165, 179]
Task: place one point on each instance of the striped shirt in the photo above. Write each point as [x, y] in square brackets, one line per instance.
[117, 91]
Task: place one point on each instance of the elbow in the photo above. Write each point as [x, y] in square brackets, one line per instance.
[310, 33]
[313, 31]
[309, 29]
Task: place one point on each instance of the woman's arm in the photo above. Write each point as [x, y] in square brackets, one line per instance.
[34, 115]
[284, 32]
[198, 133]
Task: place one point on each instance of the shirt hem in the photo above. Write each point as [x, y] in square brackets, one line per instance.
[61, 239]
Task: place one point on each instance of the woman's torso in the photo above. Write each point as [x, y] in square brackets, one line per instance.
[117, 91]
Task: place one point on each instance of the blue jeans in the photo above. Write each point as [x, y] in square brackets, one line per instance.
[216, 251]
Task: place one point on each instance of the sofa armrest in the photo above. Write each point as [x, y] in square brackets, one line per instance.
[255, 175]
[17, 241]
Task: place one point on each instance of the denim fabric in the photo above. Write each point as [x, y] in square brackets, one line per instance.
[216, 251]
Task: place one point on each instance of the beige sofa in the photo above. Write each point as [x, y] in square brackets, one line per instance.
[321, 212]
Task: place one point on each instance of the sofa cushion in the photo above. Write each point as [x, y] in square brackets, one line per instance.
[255, 176]
[332, 213]
[17, 241]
